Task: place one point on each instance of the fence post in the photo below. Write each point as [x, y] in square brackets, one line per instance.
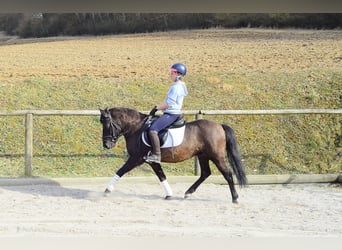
[197, 164]
[28, 144]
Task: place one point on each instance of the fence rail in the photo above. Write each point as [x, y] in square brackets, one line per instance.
[198, 115]
[187, 112]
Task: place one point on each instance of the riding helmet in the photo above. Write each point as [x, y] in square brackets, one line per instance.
[180, 68]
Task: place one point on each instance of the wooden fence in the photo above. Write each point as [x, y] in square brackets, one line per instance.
[197, 113]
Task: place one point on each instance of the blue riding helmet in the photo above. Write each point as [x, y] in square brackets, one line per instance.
[180, 68]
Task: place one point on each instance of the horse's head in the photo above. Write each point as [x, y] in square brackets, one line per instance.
[110, 130]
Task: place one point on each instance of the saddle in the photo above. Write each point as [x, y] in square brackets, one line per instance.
[177, 127]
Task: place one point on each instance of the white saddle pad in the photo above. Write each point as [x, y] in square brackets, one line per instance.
[174, 138]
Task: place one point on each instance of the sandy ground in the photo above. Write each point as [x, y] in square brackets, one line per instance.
[139, 210]
[136, 56]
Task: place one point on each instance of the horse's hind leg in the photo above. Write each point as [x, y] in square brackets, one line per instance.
[227, 174]
[205, 173]
[162, 178]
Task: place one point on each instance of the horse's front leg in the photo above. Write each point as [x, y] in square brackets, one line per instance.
[128, 166]
[162, 178]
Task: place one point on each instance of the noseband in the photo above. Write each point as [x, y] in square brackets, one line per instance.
[114, 130]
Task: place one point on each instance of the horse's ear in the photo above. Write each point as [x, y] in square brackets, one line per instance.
[104, 111]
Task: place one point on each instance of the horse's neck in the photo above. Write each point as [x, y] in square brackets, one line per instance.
[140, 125]
[134, 126]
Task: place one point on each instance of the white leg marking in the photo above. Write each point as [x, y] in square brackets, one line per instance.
[112, 182]
[167, 188]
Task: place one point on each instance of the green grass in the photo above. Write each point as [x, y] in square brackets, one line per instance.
[71, 146]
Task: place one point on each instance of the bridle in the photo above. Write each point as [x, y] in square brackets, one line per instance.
[114, 130]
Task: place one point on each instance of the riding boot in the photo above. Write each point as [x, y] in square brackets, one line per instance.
[155, 143]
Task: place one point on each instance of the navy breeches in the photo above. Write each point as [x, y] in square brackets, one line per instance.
[163, 121]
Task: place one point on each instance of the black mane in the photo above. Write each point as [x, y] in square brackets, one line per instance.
[130, 112]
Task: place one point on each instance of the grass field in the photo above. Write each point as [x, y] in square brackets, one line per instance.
[227, 69]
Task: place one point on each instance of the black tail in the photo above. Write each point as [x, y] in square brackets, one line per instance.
[234, 156]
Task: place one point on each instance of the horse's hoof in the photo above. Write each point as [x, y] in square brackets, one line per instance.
[106, 192]
[235, 202]
[187, 196]
[168, 197]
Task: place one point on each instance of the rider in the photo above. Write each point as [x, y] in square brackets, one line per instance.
[171, 108]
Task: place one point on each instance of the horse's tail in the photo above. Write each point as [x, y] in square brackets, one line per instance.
[234, 156]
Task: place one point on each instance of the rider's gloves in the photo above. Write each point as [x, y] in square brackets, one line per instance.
[153, 111]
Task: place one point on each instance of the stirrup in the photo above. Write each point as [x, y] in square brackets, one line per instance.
[151, 158]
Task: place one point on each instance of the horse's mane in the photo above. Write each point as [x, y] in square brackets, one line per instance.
[131, 113]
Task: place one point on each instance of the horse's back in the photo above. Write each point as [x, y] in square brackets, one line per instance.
[203, 128]
[205, 124]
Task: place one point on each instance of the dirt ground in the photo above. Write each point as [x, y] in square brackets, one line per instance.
[139, 55]
[139, 210]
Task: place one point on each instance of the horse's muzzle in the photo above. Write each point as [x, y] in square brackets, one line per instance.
[108, 144]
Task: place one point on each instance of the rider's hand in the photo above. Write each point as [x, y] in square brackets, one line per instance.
[153, 111]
